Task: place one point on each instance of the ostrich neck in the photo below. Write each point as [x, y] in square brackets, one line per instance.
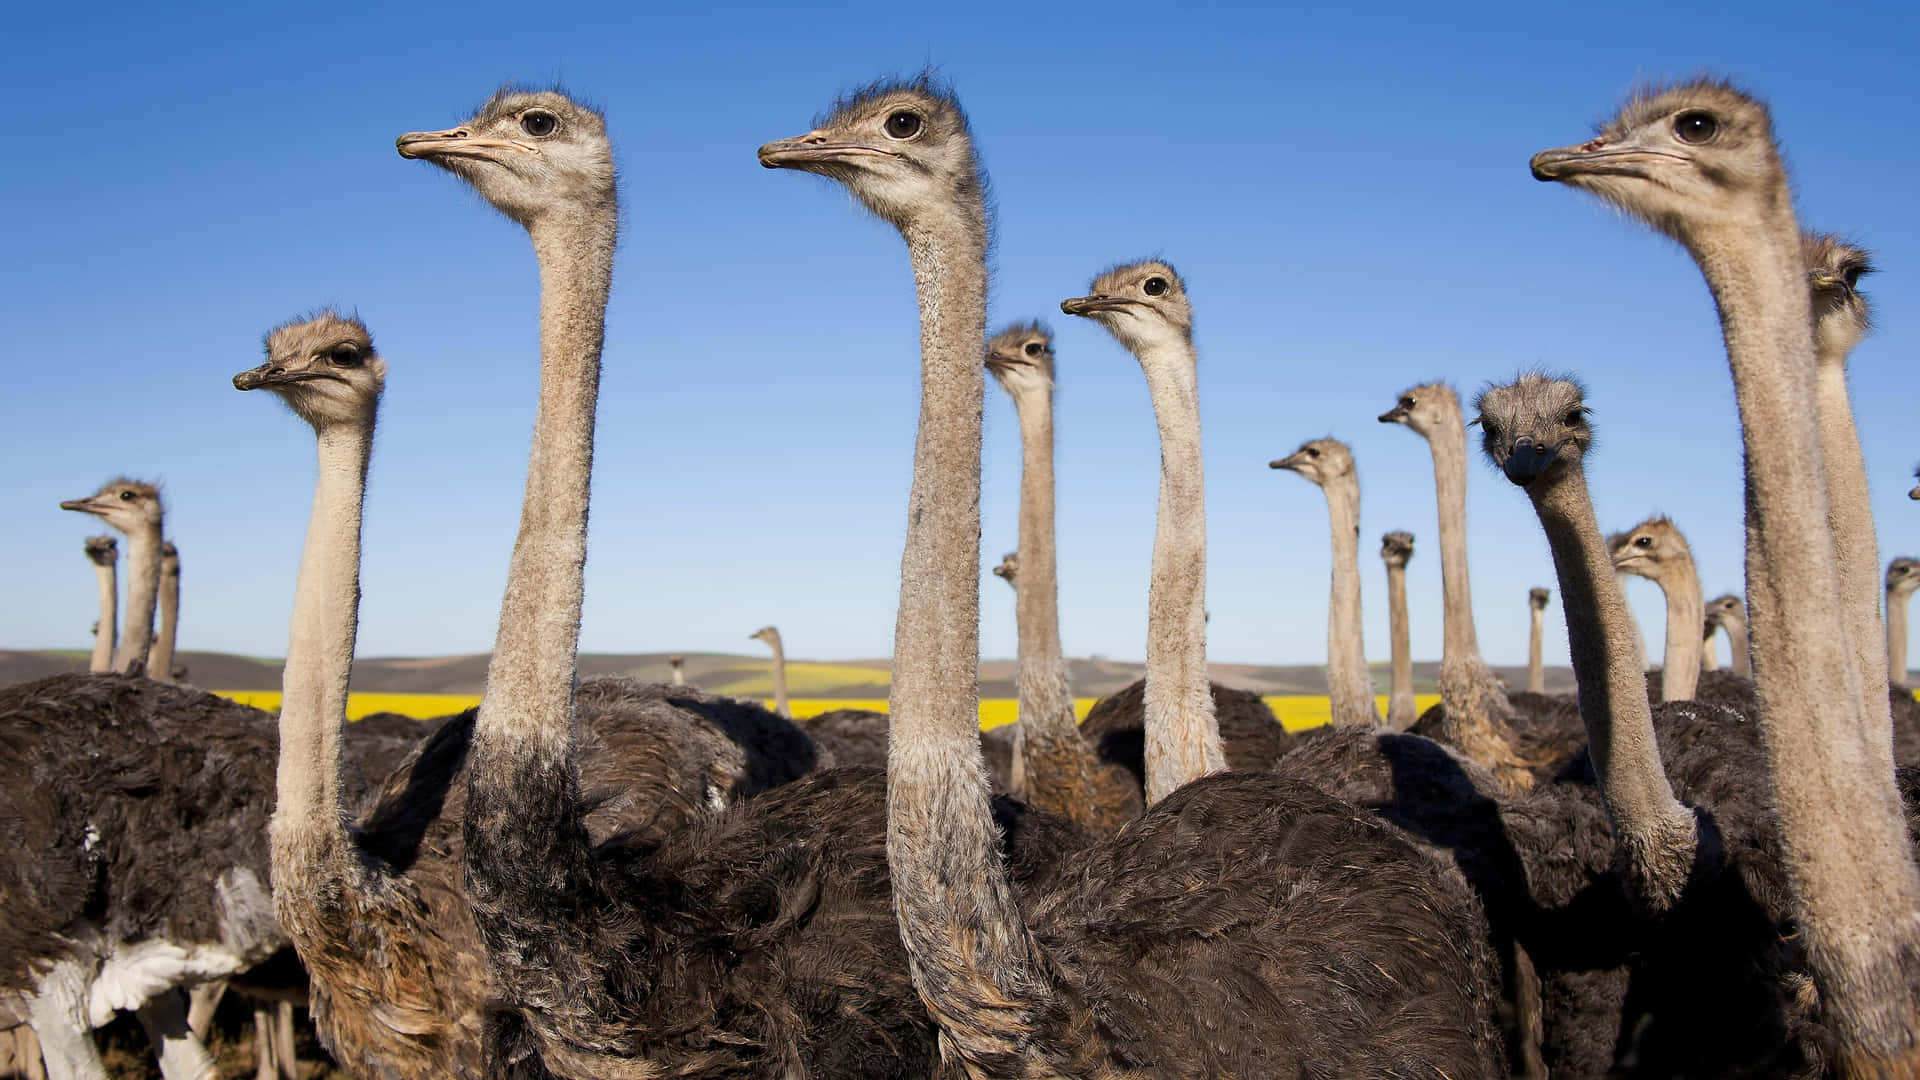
[1850, 518]
[1046, 700]
[528, 707]
[160, 656]
[143, 592]
[104, 631]
[968, 949]
[1852, 875]
[1401, 711]
[309, 822]
[1349, 686]
[1182, 736]
[1737, 647]
[1653, 833]
[779, 678]
[1709, 653]
[1536, 639]
[1450, 484]
[1686, 614]
[1897, 634]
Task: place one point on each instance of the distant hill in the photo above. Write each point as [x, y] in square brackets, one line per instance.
[728, 674]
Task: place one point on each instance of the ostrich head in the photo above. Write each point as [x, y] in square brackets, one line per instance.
[1429, 409]
[1722, 608]
[122, 503]
[1319, 460]
[1143, 304]
[1533, 426]
[1021, 358]
[529, 153]
[1681, 158]
[103, 550]
[1009, 568]
[1538, 597]
[323, 367]
[768, 634]
[1648, 547]
[902, 147]
[1903, 575]
[1840, 315]
[1396, 548]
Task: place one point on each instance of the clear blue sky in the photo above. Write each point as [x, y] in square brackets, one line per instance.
[1344, 186]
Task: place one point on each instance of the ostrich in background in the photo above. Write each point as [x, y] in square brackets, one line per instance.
[1656, 550]
[1903, 577]
[104, 553]
[771, 635]
[160, 655]
[679, 665]
[1537, 599]
[1329, 464]
[1729, 613]
[1396, 550]
[1055, 768]
[1008, 570]
[135, 509]
[1698, 162]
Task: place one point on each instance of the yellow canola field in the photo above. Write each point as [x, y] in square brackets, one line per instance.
[1296, 712]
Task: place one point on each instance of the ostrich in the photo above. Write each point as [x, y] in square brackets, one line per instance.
[1536, 634]
[1915, 492]
[1903, 577]
[679, 665]
[1109, 974]
[1656, 550]
[1329, 464]
[1396, 548]
[1056, 769]
[1008, 570]
[771, 635]
[1698, 162]
[104, 553]
[160, 655]
[1728, 612]
[134, 508]
[751, 940]
[1473, 713]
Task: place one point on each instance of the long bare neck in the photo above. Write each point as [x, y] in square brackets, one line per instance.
[1709, 652]
[1046, 699]
[1739, 664]
[528, 708]
[1349, 686]
[1852, 875]
[1654, 835]
[1897, 602]
[1850, 519]
[1182, 736]
[967, 946]
[1449, 444]
[779, 676]
[309, 817]
[160, 656]
[1536, 640]
[1686, 613]
[1401, 710]
[143, 591]
[105, 577]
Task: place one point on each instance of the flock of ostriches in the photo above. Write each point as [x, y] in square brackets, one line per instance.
[1709, 876]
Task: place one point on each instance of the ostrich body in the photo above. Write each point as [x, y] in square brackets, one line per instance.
[1698, 162]
[1056, 769]
[771, 635]
[1396, 548]
[135, 509]
[1729, 613]
[160, 656]
[1329, 464]
[1473, 713]
[1656, 550]
[1537, 599]
[104, 553]
[1903, 577]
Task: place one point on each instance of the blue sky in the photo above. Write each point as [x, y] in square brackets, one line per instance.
[1343, 186]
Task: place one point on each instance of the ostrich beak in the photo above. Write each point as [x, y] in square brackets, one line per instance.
[1088, 305]
[1395, 415]
[1291, 461]
[272, 376]
[85, 506]
[430, 144]
[1527, 459]
[1596, 157]
[813, 149]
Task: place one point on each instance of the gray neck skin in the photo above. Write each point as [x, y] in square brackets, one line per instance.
[160, 657]
[1736, 627]
[1897, 634]
[309, 818]
[1709, 655]
[1401, 709]
[143, 590]
[1686, 613]
[1850, 517]
[1844, 837]
[1450, 484]
[527, 714]
[971, 957]
[1046, 701]
[105, 574]
[1182, 736]
[779, 676]
[1349, 686]
[1654, 836]
[1536, 638]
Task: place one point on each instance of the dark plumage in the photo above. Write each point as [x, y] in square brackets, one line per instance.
[858, 736]
[1249, 732]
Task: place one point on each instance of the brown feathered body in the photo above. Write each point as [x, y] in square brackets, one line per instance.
[1115, 727]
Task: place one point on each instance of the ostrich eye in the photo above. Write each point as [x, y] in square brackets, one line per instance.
[1311, 452]
[1695, 127]
[539, 123]
[126, 496]
[904, 125]
[1406, 402]
[1033, 348]
[1643, 541]
[346, 356]
[1155, 286]
[1576, 416]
